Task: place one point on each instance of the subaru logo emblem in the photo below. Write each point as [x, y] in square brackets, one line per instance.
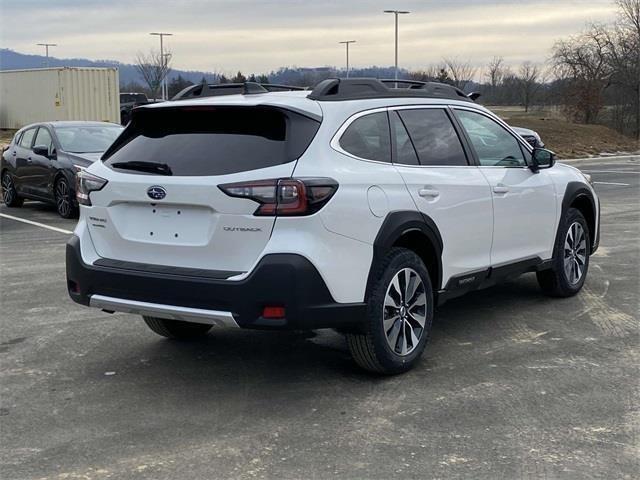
[156, 192]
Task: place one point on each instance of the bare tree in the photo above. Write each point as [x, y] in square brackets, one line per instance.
[529, 81]
[625, 50]
[430, 74]
[630, 14]
[460, 72]
[582, 63]
[153, 69]
[495, 72]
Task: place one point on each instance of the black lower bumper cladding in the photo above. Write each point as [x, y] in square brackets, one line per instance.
[284, 280]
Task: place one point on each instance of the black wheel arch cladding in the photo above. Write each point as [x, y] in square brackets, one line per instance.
[401, 224]
[578, 195]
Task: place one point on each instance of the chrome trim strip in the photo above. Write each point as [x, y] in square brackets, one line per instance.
[170, 312]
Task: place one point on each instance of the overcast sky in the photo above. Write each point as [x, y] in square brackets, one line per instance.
[261, 35]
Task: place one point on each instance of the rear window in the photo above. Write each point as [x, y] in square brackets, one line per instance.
[368, 137]
[200, 141]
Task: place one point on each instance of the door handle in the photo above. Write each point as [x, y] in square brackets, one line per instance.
[428, 192]
[500, 189]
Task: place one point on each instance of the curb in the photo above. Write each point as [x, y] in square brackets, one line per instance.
[599, 159]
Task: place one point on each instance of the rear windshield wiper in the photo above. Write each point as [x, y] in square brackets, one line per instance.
[151, 167]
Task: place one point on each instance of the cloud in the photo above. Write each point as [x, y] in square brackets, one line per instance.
[258, 36]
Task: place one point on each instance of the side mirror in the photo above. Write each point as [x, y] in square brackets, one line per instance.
[542, 158]
[41, 150]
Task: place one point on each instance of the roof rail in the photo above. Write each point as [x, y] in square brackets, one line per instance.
[247, 88]
[336, 89]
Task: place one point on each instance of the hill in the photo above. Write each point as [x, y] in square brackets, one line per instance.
[11, 60]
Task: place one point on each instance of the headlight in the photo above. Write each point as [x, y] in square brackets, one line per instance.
[85, 184]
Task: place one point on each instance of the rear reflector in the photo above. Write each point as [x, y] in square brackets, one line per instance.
[73, 286]
[273, 312]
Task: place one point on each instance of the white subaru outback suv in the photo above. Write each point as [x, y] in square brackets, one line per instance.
[355, 206]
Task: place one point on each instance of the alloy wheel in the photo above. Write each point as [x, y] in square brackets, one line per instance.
[8, 191]
[62, 198]
[575, 253]
[404, 312]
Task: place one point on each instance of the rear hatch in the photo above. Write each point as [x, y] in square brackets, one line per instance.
[162, 206]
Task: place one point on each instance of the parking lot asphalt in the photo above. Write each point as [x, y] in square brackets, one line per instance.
[513, 384]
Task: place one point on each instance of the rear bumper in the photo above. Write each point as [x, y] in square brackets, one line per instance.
[285, 280]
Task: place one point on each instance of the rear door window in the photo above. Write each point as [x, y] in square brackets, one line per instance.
[367, 137]
[202, 141]
[434, 137]
[405, 152]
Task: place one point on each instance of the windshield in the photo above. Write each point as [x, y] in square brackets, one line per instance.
[87, 139]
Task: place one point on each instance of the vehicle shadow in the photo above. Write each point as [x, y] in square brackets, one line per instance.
[281, 357]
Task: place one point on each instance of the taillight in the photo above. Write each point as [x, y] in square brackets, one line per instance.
[85, 184]
[284, 196]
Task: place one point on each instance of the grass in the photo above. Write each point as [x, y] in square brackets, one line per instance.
[569, 140]
[6, 136]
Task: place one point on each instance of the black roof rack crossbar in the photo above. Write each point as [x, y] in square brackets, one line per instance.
[411, 83]
[218, 89]
[336, 89]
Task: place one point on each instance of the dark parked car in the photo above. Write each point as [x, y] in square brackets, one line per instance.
[42, 160]
[531, 136]
[128, 101]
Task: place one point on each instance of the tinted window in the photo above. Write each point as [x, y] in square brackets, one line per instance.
[43, 138]
[27, 137]
[434, 137]
[368, 137]
[405, 153]
[87, 138]
[494, 145]
[213, 140]
[133, 97]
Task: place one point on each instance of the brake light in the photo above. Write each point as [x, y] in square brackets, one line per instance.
[85, 184]
[284, 196]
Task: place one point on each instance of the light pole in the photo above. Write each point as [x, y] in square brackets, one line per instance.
[396, 13]
[346, 44]
[46, 49]
[162, 58]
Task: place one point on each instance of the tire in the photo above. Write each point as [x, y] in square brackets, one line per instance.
[9, 193]
[65, 203]
[175, 328]
[559, 281]
[386, 346]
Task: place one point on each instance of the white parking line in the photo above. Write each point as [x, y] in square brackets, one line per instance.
[610, 171]
[37, 224]
[613, 183]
